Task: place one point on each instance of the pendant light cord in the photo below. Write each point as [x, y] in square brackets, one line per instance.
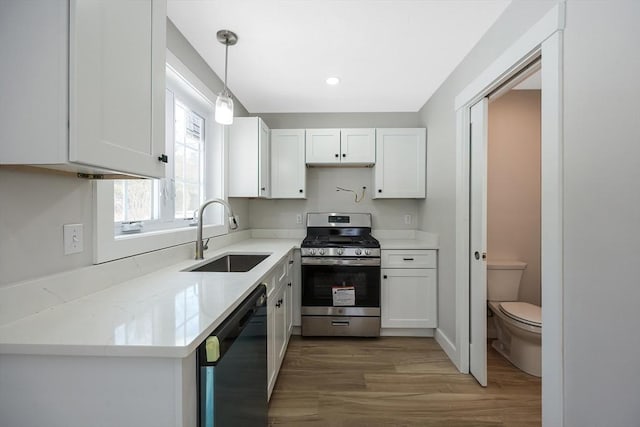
[226, 62]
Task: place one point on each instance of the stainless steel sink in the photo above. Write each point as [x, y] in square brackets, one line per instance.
[231, 263]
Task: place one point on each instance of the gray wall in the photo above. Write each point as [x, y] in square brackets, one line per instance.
[340, 120]
[437, 212]
[34, 204]
[602, 213]
[322, 182]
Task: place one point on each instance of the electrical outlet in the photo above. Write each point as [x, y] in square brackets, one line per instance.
[299, 219]
[407, 219]
[72, 238]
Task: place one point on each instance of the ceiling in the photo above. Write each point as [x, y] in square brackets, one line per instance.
[390, 55]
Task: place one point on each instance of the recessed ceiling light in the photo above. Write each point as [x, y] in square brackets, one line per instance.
[333, 81]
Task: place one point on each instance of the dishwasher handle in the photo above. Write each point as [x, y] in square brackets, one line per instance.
[233, 325]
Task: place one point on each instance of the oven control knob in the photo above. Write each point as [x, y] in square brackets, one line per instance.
[312, 251]
[358, 251]
[340, 251]
[367, 252]
[321, 251]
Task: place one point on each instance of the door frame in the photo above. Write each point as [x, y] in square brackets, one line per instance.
[544, 38]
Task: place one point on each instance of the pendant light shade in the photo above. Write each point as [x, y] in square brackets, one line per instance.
[224, 109]
[224, 103]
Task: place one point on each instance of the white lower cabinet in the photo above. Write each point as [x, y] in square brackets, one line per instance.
[409, 294]
[279, 318]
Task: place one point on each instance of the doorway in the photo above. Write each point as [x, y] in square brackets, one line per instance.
[543, 39]
[505, 223]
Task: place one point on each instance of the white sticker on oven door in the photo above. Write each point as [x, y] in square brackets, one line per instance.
[344, 296]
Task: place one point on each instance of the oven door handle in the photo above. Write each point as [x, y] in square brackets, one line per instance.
[341, 261]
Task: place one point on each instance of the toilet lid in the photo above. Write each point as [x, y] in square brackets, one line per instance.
[523, 312]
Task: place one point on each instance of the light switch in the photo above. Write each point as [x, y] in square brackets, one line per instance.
[72, 238]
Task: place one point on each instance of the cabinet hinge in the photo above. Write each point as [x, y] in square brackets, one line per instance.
[90, 175]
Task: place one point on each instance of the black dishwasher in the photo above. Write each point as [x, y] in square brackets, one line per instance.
[232, 368]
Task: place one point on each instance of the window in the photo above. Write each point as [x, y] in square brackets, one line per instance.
[146, 214]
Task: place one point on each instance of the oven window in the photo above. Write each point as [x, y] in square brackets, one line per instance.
[318, 282]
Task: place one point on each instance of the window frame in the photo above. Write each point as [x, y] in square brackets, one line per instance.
[109, 246]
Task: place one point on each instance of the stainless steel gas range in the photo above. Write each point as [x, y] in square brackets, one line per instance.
[340, 276]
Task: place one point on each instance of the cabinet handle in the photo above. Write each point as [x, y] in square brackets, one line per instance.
[344, 155]
[384, 277]
[337, 155]
[300, 190]
[289, 284]
[163, 158]
[263, 188]
[290, 261]
[379, 190]
[407, 259]
[278, 304]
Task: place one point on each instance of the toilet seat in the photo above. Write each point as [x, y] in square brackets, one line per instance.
[523, 312]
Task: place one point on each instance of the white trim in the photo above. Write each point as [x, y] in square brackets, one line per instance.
[446, 345]
[407, 332]
[108, 247]
[463, 154]
[552, 213]
[518, 54]
[543, 38]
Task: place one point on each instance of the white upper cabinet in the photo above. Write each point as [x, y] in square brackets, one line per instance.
[358, 146]
[249, 171]
[323, 146]
[400, 169]
[92, 100]
[288, 171]
[341, 147]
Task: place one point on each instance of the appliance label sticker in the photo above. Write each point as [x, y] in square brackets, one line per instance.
[344, 296]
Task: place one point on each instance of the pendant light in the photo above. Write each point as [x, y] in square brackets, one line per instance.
[224, 103]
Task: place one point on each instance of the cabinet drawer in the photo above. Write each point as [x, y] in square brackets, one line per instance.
[408, 258]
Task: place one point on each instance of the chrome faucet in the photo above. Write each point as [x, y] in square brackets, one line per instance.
[233, 224]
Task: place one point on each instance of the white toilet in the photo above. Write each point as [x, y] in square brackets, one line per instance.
[518, 324]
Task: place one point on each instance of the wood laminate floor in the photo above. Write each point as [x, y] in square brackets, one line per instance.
[396, 381]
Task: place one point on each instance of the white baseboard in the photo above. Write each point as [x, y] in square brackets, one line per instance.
[406, 332]
[448, 347]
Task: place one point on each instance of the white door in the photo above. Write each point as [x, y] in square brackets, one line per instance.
[478, 238]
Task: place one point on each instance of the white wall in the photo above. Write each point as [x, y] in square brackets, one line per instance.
[513, 185]
[602, 213]
[437, 212]
[34, 205]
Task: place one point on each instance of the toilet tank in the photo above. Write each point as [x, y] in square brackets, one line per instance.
[503, 279]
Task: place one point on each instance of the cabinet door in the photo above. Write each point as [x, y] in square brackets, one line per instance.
[400, 163]
[117, 85]
[288, 170]
[296, 295]
[282, 329]
[271, 342]
[408, 298]
[244, 157]
[323, 146]
[264, 160]
[358, 146]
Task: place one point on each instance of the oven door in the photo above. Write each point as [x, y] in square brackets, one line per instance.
[321, 276]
